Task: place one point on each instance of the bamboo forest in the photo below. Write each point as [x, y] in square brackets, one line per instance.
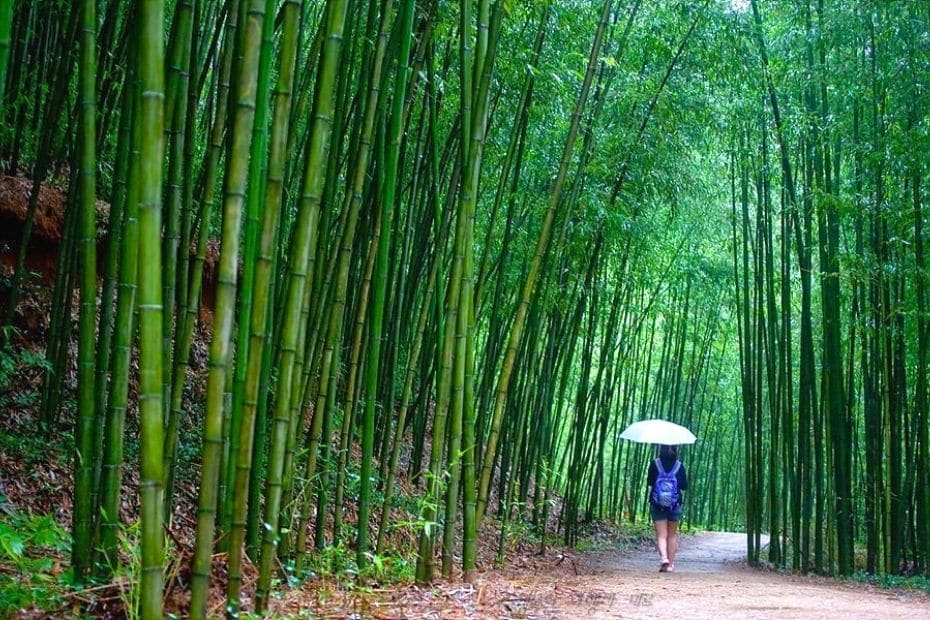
[311, 300]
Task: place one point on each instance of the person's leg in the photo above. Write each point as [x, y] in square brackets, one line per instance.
[672, 540]
[662, 539]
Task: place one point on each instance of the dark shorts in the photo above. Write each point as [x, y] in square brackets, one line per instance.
[664, 514]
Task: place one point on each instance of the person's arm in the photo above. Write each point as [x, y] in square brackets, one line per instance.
[651, 476]
[682, 483]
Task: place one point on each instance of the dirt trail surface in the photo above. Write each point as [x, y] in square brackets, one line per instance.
[711, 581]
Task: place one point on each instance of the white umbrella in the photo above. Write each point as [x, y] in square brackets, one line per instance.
[658, 431]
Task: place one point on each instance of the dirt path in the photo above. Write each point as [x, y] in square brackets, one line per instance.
[711, 581]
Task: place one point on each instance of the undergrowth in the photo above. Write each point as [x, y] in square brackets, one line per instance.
[919, 583]
[16, 362]
[32, 551]
[339, 563]
[35, 576]
[606, 536]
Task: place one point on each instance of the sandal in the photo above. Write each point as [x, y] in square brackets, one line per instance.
[663, 567]
[670, 568]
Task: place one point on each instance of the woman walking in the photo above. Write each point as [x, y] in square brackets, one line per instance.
[667, 481]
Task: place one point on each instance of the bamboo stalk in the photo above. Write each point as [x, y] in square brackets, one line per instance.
[151, 120]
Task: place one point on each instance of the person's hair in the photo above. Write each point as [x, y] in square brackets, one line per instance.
[669, 451]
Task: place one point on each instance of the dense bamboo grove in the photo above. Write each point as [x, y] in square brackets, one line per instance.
[827, 182]
[461, 245]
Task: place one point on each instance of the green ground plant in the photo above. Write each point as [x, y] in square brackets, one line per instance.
[32, 555]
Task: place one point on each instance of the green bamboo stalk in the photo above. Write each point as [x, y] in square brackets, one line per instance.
[379, 278]
[262, 299]
[260, 440]
[307, 218]
[253, 215]
[188, 212]
[85, 457]
[351, 209]
[413, 357]
[514, 150]
[176, 120]
[437, 443]
[6, 24]
[445, 347]
[151, 120]
[299, 402]
[22, 31]
[110, 282]
[321, 483]
[458, 325]
[235, 186]
[419, 429]
[124, 330]
[407, 265]
[488, 36]
[177, 61]
[345, 436]
[321, 282]
[542, 245]
[185, 337]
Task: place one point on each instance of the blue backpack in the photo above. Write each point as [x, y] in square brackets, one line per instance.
[665, 491]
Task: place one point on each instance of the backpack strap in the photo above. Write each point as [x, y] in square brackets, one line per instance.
[675, 468]
[658, 463]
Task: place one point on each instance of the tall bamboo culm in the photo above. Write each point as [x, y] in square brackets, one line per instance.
[307, 219]
[86, 455]
[150, 58]
[235, 186]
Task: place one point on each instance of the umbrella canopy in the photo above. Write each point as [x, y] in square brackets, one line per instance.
[658, 431]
